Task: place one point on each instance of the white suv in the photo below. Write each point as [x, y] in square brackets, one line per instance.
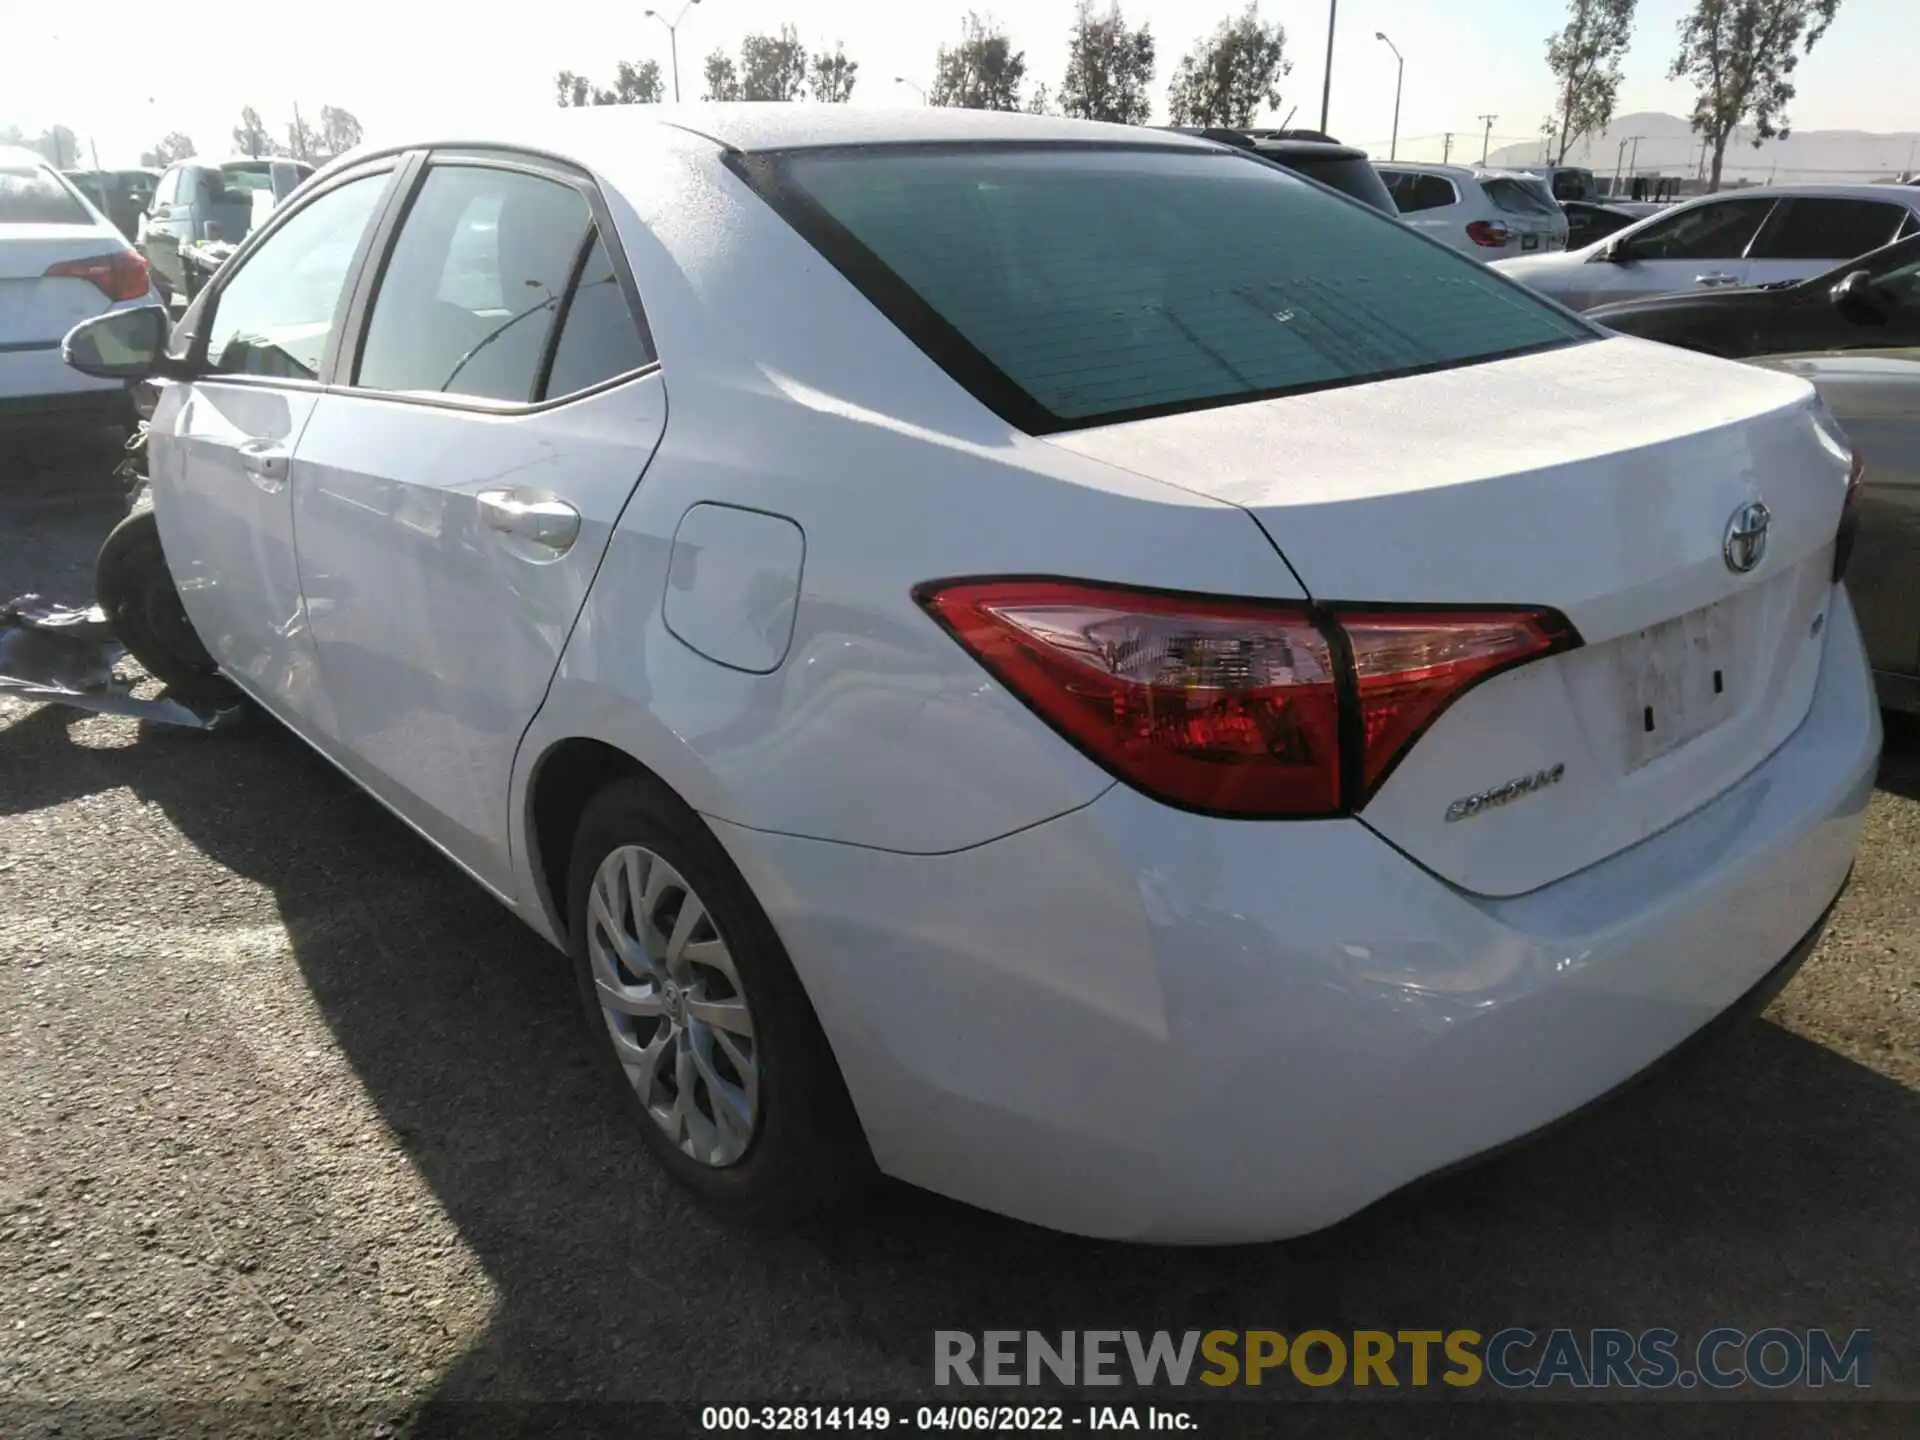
[1488, 214]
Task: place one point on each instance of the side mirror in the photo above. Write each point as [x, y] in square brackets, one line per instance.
[1855, 298]
[120, 345]
[1619, 252]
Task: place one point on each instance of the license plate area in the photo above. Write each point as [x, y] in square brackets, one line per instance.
[1677, 680]
[1529, 242]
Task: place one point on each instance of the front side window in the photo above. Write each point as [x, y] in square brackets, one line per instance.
[1067, 287]
[272, 317]
[1819, 229]
[469, 298]
[31, 195]
[1719, 231]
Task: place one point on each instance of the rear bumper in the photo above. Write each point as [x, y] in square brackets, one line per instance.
[1134, 1022]
[106, 404]
[36, 386]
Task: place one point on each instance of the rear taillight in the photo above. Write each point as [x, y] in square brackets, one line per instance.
[1409, 665]
[1849, 520]
[1234, 707]
[1491, 233]
[119, 276]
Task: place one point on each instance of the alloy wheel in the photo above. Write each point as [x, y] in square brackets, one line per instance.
[674, 1005]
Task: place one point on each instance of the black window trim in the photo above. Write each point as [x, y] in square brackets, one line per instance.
[544, 375]
[207, 307]
[353, 330]
[763, 172]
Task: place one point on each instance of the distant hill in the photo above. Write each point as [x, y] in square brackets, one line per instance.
[1669, 147]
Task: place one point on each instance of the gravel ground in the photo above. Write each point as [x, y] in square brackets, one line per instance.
[290, 1112]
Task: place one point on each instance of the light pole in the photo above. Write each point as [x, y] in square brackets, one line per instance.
[1486, 139]
[902, 80]
[1393, 145]
[1326, 85]
[673, 40]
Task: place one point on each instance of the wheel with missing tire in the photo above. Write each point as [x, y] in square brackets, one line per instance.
[696, 1017]
[136, 590]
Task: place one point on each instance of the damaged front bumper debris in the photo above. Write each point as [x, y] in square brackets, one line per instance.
[56, 653]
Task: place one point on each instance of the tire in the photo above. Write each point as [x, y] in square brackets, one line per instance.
[804, 1150]
[136, 590]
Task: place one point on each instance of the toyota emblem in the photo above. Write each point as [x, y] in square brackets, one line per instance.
[1746, 540]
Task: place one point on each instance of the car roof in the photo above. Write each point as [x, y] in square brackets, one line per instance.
[602, 138]
[1457, 172]
[1899, 194]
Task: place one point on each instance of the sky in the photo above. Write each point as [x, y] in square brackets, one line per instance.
[110, 70]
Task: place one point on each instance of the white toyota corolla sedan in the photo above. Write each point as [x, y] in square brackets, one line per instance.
[1063, 661]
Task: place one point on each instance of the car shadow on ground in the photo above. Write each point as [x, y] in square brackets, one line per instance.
[1900, 763]
[1764, 1180]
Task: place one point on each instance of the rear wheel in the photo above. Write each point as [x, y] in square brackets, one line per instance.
[695, 1015]
[137, 592]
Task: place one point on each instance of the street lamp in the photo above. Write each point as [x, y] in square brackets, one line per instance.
[1326, 85]
[902, 80]
[673, 40]
[1393, 145]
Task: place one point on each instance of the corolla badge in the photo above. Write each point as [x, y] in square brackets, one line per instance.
[1746, 540]
[1470, 805]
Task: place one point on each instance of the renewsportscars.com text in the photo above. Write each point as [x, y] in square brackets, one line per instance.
[1512, 1358]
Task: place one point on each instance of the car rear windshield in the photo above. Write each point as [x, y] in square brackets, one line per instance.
[1352, 175]
[34, 197]
[1067, 286]
[1520, 197]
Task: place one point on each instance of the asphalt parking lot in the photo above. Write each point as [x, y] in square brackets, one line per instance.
[291, 1111]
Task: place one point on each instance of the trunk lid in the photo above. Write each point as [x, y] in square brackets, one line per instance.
[37, 309]
[1598, 480]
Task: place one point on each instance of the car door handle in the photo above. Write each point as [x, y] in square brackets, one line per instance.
[540, 520]
[1717, 278]
[265, 462]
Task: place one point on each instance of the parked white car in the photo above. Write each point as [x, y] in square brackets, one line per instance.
[1737, 237]
[61, 262]
[1480, 212]
[1059, 705]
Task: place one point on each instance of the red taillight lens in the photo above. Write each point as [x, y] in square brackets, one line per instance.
[1409, 665]
[1234, 707]
[1491, 233]
[1849, 520]
[1227, 706]
[119, 276]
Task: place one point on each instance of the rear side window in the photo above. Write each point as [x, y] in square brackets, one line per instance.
[1815, 229]
[1066, 287]
[598, 336]
[470, 296]
[1413, 191]
[32, 196]
[1520, 197]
